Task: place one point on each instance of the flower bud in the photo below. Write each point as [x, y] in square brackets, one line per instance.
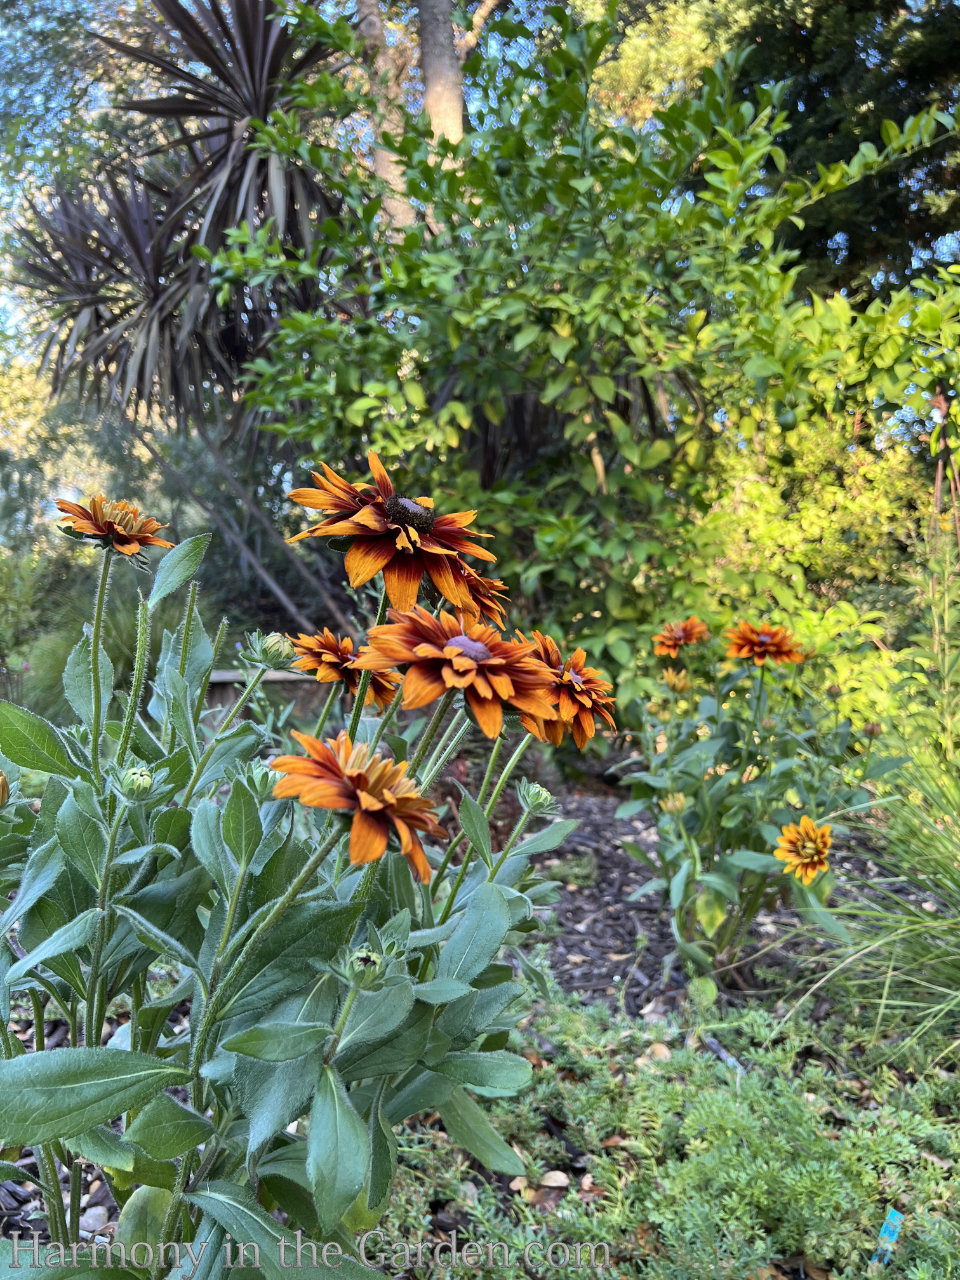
[137, 781]
[872, 729]
[834, 691]
[768, 723]
[4, 789]
[674, 802]
[365, 966]
[534, 798]
[278, 648]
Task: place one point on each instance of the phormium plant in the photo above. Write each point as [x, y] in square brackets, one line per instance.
[339, 971]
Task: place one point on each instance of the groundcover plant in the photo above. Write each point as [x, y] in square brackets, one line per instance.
[333, 967]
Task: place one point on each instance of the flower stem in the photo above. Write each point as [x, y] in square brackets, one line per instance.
[432, 729]
[136, 687]
[238, 706]
[325, 712]
[515, 835]
[445, 752]
[505, 776]
[280, 909]
[95, 668]
[366, 676]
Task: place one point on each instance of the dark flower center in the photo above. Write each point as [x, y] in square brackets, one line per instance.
[764, 638]
[575, 678]
[406, 511]
[474, 649]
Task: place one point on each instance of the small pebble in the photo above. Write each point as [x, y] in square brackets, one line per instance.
[95, 1218]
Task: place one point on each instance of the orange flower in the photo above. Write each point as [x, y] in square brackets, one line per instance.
[485, 596]
[677, 634]
[776, 643]
[402, 537]
[579, 691]
[338, 775]
[442, 653]
[333, 659]
[676, 681]
[112, 524]
[804, 849]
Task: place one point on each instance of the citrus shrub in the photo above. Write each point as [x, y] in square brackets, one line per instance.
[340, 970]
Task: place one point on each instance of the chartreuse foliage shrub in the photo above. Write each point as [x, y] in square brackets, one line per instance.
[330, 979]
[692, 1170]
[738, 756]
[578, 315]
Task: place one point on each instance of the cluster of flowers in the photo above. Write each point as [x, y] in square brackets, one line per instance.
[803, 846]
[418, 656]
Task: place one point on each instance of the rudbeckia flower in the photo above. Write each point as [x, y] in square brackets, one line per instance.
[676, 681]
[675, 635]
[338, 775]
[112, 524]
[776, 643]
[579, 691]
[443, 653]
[804, 847]
[403, 538]
[333, 659]
[485, 596]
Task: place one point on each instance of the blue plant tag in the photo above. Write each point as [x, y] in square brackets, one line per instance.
[888, 1236]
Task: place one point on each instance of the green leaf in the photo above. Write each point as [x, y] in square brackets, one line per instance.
[141, 1220]
[375, 1015]
[278, 1041]
[165, 1129]
[477, 937]
[47, 1097]
[33, 743]
[67, 939]
[494, 1075]
[242, 828]
[78, 678]
[441, 990]
[177, 567]
[476, 827]
[83, 839]
[929, 318]
[235, 1209]
[470, 1129]
[603, 388]
[710, 911]
[551, 837]
[395, 1054]
[35, 1254]
[753, 861]
[338, 1151]
[273, 1093]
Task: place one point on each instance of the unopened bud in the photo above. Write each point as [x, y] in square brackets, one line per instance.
[278, 647]
[137, 781]
[365, 966]
[534, 798]
[4, 788]
[872, 729]
[768, 723]
[834, 691]
[674, 802]
[677, 681]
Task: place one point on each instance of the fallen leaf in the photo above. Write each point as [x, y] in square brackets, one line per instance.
[615, 1140]
[937, 1160]
[518, 1184]
[555, 1178]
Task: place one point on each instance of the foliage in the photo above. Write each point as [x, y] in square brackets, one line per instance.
[731, 757]
[357, 997]
[852, 66]
[571, 326]
[635, 1134]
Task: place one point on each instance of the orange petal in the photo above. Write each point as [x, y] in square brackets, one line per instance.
[365, 559]
[487, 711]
[368, 837]
[402, 578]
[378, 471]
[420, 687]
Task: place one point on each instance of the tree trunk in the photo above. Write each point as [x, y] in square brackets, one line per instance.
[386, 71]
[440, 68]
